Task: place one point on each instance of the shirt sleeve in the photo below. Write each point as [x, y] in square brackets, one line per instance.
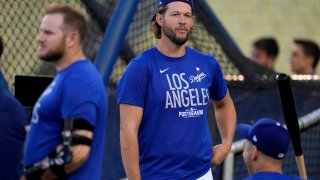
[218, 88]
[132, 87]
[78, 100]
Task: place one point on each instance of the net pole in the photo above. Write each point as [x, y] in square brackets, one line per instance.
[114, 37]
[228, 167]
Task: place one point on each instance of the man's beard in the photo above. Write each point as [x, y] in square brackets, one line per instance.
[172, 36]
[54, 55]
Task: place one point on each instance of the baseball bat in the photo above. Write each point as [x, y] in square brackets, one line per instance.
[291, 119]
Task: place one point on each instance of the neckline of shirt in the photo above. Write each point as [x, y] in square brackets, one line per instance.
[174, 59]
[73, 64]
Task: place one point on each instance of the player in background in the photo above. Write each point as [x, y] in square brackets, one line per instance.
[264, 51]
[164, 95]
[66, 135]
[266, 144]
[304, 57]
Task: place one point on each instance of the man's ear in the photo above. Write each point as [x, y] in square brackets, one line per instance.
[159, 19]
[255, 153]
[73, 39]
[310, 60]
[271, 61]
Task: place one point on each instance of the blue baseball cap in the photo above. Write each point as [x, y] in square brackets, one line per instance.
[162, 3]
[268, 135]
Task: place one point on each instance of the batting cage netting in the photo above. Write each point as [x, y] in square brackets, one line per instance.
[253, 88]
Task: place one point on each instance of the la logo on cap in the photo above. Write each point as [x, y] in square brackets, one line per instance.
[280, 155]
[255, 138]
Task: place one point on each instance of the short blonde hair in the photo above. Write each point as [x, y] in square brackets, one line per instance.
[72, 17]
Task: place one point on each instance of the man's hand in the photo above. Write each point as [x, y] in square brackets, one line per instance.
[220, 152]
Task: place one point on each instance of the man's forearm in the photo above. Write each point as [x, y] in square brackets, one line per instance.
[130, 119]
[80, 154]
[226, 120]
[130, 154]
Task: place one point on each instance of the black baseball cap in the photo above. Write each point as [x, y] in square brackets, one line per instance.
[162, 3]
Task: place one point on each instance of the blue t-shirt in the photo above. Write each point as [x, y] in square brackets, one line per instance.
[271, 175]
[13, 118]
[174, 137]
[76, 91]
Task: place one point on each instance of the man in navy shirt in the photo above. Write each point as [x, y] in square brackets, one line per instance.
[67, 127]
[13, 119]
[164, 96]
[267, 143]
